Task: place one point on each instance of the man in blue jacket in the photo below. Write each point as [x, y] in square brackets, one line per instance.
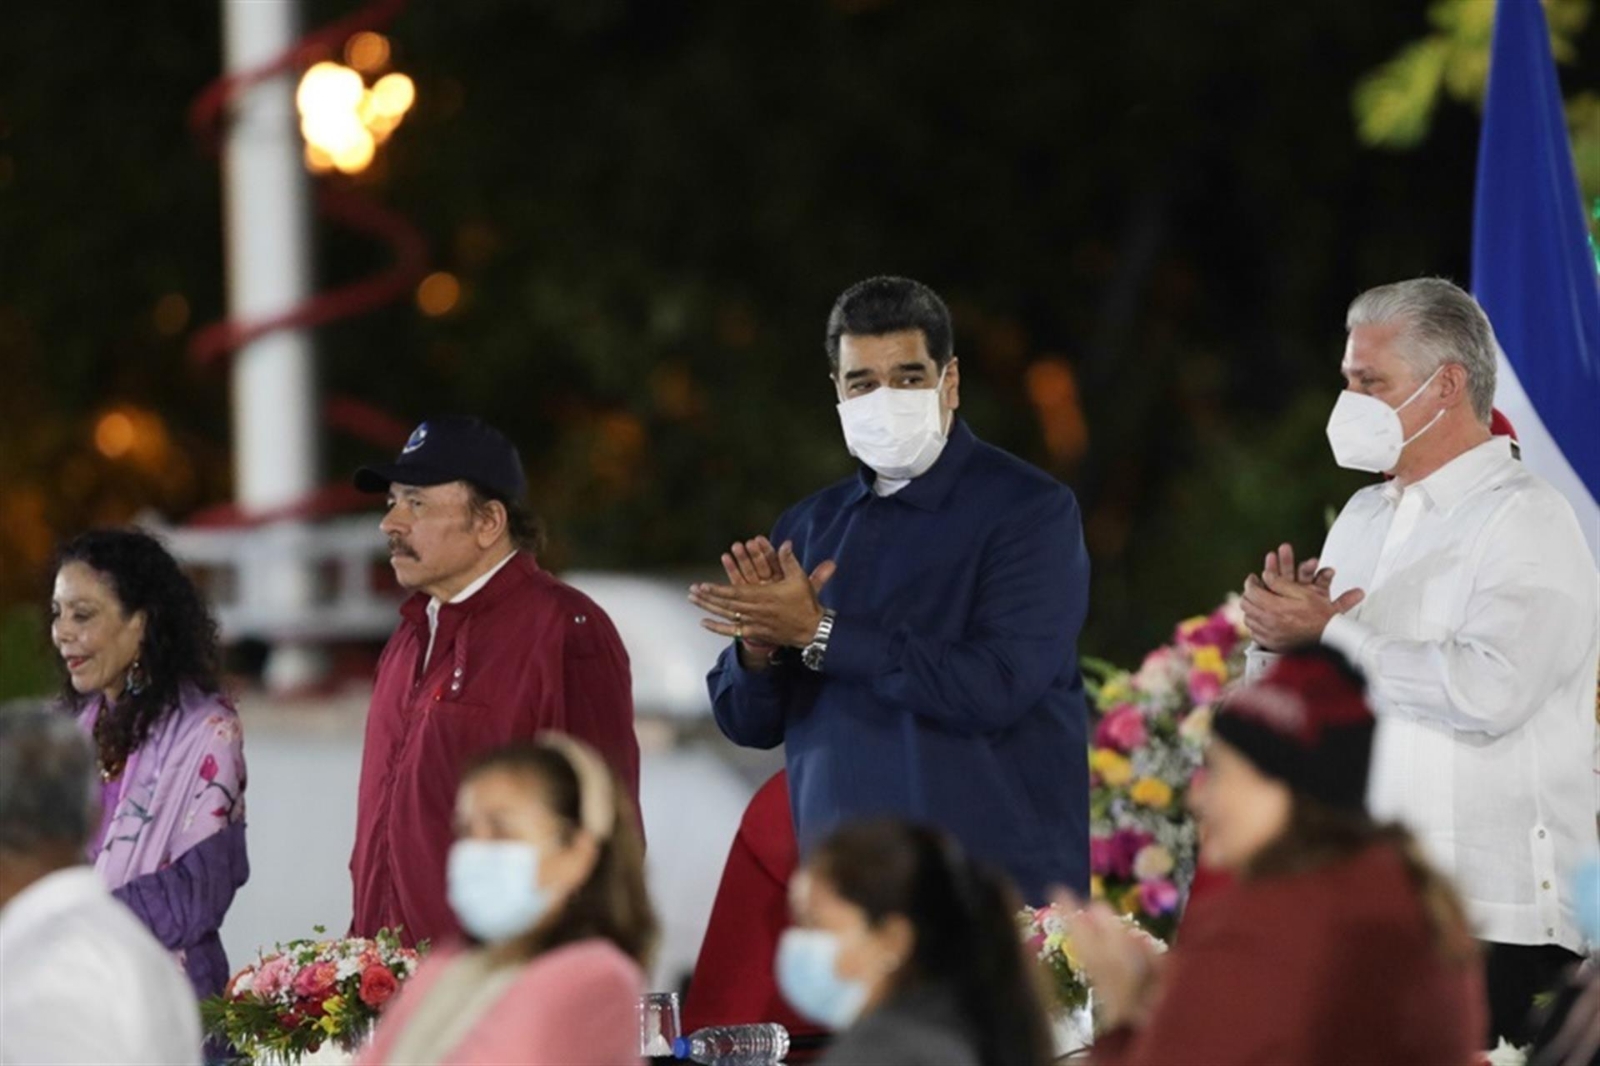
[913, 639]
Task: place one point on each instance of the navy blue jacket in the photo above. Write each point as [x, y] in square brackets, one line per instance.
[950, 693]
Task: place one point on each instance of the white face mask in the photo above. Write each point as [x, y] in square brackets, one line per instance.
[1365, 433]
[899, 433]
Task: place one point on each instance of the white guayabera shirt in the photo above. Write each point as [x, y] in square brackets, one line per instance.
[83, 981]
[1480, 638]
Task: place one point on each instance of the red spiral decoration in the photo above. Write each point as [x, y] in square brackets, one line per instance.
[213, 344]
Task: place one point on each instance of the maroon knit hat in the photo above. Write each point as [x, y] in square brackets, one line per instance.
[1307, 723]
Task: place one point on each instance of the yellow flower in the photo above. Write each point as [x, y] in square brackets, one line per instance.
[1114, 769]
[1097, 887]
[1208, 660]
[1115, 691]
[1128, 902]
[329, 1024]
[333, 1005]
[1152, 792]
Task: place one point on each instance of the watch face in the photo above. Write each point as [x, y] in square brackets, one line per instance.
[812, 657]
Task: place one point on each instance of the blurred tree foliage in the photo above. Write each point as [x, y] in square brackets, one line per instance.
[1147, 218]
[1395, 103]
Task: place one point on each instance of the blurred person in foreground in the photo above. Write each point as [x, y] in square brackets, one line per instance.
[139, 648]
[81, 980]
[1463, 588]
[547, 878]
[1337, 944]
[490, 649]
[912, 642]
[735, 982]
[910, 952]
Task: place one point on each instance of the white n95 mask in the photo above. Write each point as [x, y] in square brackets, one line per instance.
[899, 433]
[1365, 433]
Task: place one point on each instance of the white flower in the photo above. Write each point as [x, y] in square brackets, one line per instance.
[1197, 726]
[1153, 861]
[1506, 1055]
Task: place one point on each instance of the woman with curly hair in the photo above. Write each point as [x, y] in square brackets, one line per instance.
[140, 655]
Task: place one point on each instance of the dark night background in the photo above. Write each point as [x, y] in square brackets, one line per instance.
[1146, 216]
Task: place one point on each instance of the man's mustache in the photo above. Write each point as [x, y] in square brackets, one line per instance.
[400, 547]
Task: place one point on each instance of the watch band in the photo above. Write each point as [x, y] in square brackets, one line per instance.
[813, 653]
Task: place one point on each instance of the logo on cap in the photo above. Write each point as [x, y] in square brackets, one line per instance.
[418, 435]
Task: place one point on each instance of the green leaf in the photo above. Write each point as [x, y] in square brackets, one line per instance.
[1394, 104]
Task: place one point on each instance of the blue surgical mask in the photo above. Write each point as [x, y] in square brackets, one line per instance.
[808, 980]
[494, 888]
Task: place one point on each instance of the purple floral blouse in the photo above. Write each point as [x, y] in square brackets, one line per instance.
[171, 840]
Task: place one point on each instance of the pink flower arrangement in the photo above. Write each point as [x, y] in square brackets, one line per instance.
[1150, 728]
[315, 982]
[274, 976]
[288, 1002]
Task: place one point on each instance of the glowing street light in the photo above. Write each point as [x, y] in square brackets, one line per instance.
[343, 119]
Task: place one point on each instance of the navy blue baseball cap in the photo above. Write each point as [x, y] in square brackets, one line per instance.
[451, 448]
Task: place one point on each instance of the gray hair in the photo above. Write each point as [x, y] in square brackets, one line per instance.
[46, 780]
[1439, 323]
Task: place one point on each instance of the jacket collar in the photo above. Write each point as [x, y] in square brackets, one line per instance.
[929, 491]
[518, 569]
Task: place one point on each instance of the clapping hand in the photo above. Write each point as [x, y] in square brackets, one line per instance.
[752, 562]
[1119, 964]
[1287, 604]
[769, 602]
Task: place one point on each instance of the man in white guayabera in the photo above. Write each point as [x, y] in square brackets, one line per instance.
[81, 979]
[1464, 589]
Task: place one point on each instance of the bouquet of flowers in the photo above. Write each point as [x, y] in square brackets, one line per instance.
[288, 1002]
[1044, 931]
[1150, 727]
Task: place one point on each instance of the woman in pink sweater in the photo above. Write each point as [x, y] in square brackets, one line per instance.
[547, 877]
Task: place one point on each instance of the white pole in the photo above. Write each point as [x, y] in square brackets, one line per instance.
[265, 197]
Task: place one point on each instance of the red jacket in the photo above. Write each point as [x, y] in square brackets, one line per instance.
[1332, 966]
[523, 655]
[734, 982]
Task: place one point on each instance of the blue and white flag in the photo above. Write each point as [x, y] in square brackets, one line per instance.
[1532, 267]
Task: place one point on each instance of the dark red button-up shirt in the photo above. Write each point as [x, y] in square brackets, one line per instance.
[523, 655]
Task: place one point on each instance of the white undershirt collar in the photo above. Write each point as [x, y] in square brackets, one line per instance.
[434, 602]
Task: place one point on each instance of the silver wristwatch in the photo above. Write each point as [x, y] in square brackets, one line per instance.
[811, 655]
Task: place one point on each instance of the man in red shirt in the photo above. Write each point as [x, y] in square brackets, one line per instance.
[490, 649]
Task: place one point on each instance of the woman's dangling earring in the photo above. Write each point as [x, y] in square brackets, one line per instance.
[136, 680]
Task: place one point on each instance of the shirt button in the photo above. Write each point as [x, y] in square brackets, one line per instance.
[1545, 885]
[1549, 931]
[458, 671]
[580, 618]
[1541, 834]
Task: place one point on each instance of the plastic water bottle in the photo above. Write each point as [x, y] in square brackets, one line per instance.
[734, 1045]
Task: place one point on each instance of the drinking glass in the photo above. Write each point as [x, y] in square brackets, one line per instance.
[658, 1024]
